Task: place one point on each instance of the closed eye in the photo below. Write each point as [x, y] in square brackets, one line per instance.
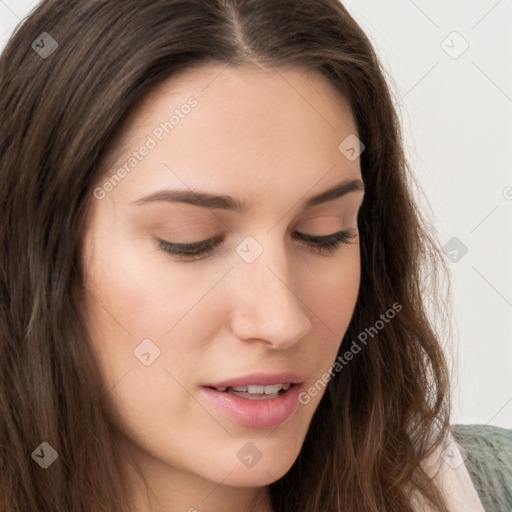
[325, 245]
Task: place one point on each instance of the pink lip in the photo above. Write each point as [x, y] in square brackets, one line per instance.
[260, 379]
[263, 413]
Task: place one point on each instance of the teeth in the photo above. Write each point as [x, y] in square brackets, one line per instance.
[258, 390]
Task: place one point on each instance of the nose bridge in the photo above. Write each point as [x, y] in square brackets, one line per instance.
[268, 307]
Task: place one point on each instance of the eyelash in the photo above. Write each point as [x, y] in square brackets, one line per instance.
[324, 245]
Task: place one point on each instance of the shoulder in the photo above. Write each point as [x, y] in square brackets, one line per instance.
[448, 470]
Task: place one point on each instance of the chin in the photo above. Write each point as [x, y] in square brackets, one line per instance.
[267, 466]
[257, 476]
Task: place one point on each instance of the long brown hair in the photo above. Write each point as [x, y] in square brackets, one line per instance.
[381, 415]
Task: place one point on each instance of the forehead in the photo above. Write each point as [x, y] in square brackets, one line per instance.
[231, 95]
[248, 125]
[241, 86]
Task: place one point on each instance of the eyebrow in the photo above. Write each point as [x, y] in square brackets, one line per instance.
[224, 202]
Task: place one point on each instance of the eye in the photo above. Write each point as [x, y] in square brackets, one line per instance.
[325, 245]
[189, 251]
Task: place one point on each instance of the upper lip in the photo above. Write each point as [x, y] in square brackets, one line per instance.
[259, 379]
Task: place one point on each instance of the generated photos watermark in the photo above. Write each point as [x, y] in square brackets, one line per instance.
[152, 140]
[343, 360]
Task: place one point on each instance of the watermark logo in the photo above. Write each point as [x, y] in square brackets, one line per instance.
[454, 45]
[249, 249]
[454, 249]
[147, 352]
[44, 455]
[44, 45]
[351, 147]
[249, 455]
[454, 455]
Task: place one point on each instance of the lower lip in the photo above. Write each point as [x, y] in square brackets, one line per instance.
[263, 413]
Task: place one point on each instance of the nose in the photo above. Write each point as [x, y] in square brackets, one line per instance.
[267, 307]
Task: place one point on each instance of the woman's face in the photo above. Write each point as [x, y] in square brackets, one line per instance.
[260, 303]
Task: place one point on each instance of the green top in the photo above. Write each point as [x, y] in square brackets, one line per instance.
[488, 459]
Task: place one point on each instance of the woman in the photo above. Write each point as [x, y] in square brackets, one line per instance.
[211, 268]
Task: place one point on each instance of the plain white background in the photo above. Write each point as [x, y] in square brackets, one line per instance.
[448, 65]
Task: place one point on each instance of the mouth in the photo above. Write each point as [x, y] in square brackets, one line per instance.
[254, 392]
[259, 379]
[253, 405]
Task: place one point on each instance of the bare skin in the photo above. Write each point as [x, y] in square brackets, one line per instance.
[268, 138]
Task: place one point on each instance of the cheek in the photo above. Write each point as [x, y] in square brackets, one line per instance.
[332, 296]
[138, 300]
[345, 295]
[333, 290]
[135, 294]
[138, 291]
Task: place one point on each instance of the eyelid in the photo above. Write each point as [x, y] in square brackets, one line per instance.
[191, 246]
[320, 243]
